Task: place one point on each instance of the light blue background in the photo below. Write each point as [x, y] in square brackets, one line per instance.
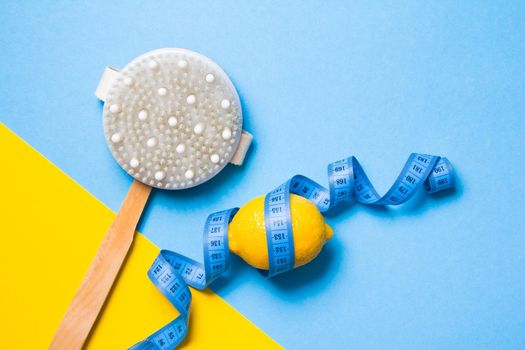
[318, 82]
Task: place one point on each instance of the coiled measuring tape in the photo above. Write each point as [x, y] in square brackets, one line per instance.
[172, 273]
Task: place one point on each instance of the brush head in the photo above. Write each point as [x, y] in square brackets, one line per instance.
[172, 118]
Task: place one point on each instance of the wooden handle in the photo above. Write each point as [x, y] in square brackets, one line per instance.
[85, 307]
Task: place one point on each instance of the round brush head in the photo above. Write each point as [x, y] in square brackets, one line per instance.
[172, 118]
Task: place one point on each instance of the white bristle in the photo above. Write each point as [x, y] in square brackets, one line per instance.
[143, 115]
[227, 133]
[191, 99]
[114, 108]
[210, 78]
[172, 121]
[165, 124]
[116, 137]
[159, 175]
[153, 64]
[225, 104]
[198, 129]
[134, 162]
[151, 142]
[162, 91]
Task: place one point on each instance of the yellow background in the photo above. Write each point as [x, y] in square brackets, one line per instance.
[50, 230]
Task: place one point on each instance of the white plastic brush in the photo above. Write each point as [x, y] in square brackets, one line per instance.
[172, 119]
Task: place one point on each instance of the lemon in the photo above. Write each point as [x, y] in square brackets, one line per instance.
[247, 232]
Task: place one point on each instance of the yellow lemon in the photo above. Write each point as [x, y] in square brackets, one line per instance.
[247, 232]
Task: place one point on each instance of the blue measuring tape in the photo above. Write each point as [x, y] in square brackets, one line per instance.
[172, 273]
